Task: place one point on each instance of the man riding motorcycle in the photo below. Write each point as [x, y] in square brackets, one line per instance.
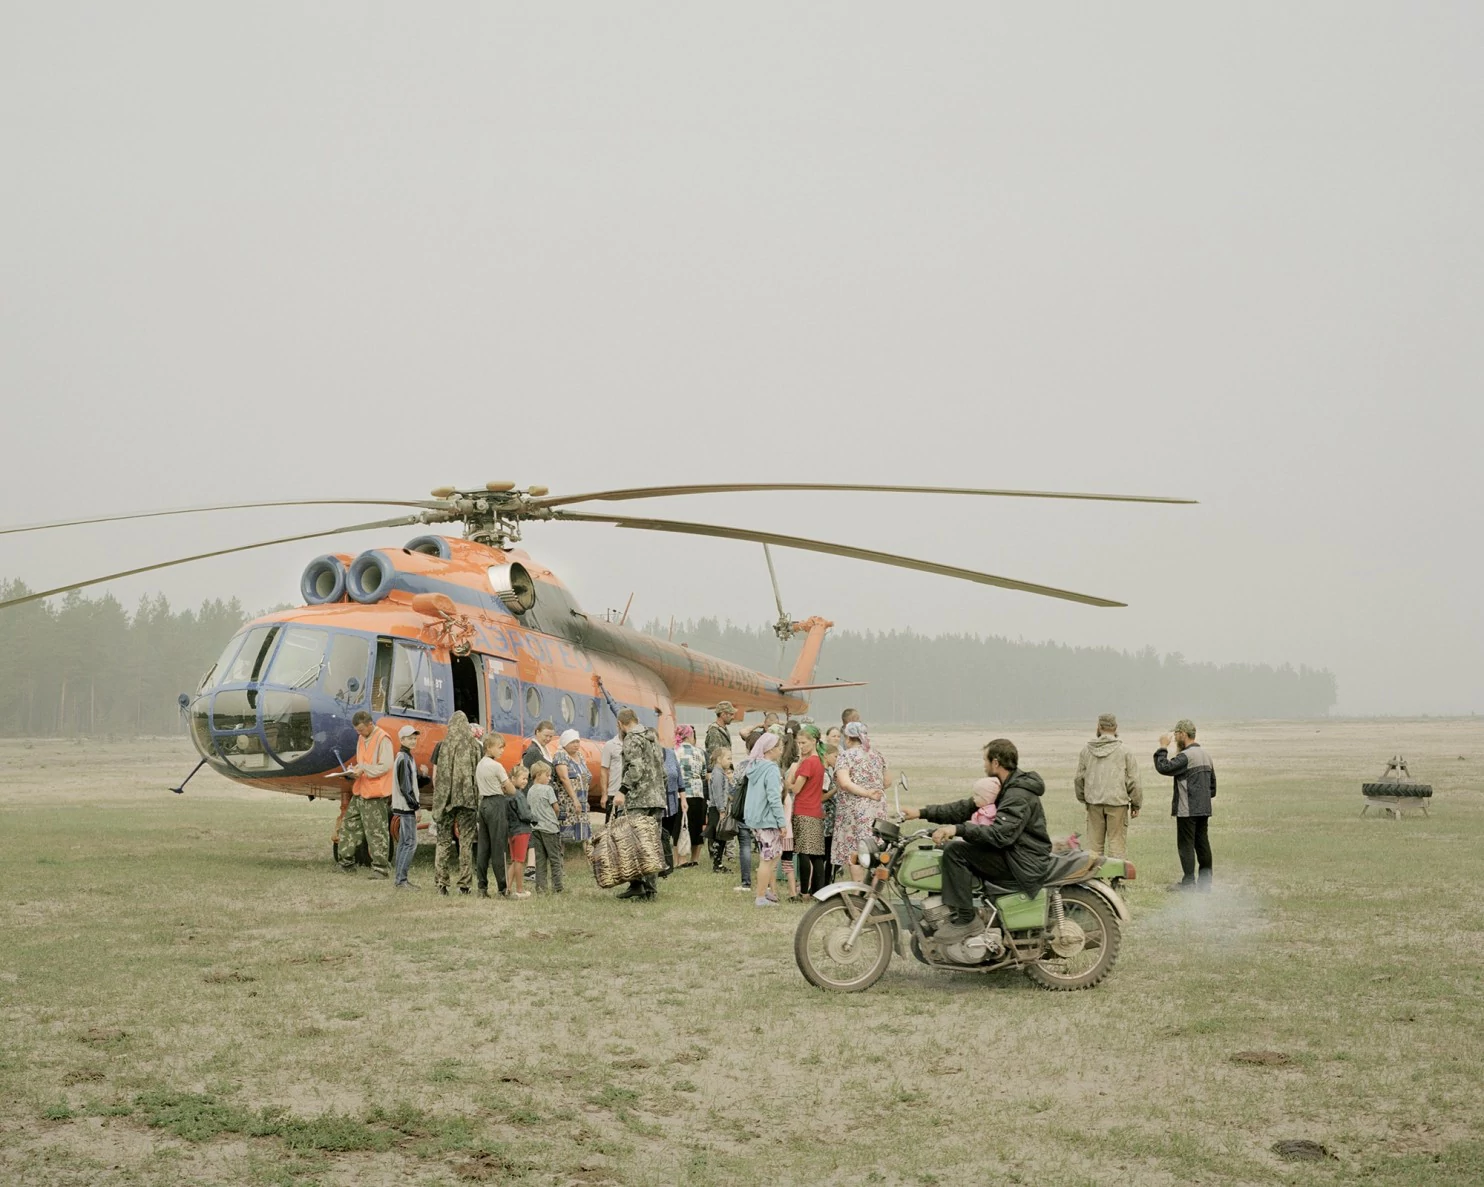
[1014, 850]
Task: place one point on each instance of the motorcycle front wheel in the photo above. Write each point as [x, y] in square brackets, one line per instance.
[819, 947]
[1086, 948]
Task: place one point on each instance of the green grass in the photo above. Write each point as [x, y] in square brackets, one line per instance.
[190, 993]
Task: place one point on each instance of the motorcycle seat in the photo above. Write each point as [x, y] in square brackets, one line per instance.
[1071, 867]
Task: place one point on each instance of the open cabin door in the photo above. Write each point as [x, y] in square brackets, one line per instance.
[468, 687]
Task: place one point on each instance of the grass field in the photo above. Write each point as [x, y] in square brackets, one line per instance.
[192, 994]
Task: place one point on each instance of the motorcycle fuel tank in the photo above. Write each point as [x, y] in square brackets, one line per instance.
[921, 869]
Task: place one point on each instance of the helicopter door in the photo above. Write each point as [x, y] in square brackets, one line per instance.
[468, 686]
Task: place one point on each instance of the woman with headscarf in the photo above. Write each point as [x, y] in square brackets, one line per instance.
[572, 783]
[764, 814]
[693, 777]
[456, 802]
[860, 796]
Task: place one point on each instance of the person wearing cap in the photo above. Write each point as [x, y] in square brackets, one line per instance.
[572, 783]
[718, 733]
[366, 816]
[1190, 803]
[405, 806]
[1107, 784]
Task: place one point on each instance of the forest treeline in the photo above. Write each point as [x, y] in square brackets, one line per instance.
[974, 680]
[80, 665]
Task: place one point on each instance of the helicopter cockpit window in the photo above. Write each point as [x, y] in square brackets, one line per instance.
[248, 666]
[345, 678]
[299, 659]
[412, 681]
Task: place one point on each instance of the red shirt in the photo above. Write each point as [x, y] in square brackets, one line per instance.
[808, 801]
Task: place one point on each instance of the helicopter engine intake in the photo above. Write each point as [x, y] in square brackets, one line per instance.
[323, 581]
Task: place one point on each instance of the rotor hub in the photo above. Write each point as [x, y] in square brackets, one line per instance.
[492, 516]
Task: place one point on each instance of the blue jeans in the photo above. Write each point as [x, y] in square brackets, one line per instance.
[406, 843]
[744, 854]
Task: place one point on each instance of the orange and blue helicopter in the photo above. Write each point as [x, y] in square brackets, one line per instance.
[415, 633]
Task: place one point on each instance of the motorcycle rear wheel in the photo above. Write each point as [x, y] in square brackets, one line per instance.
[817, 948]
[1101, 935]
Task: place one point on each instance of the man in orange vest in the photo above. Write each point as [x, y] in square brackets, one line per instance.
[370, 799]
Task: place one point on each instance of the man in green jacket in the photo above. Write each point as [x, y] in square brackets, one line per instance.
[1013, 851]
[642, 792]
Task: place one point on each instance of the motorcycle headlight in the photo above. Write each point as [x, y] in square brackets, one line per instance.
[863, 858]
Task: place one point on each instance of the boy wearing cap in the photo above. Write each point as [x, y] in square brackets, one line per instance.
[405, 805]
[1190, 804]
[1107, 784]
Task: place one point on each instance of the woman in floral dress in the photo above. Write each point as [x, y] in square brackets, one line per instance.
[860, 797]
[572, 779]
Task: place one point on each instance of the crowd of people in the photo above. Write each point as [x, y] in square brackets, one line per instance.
[795, 810]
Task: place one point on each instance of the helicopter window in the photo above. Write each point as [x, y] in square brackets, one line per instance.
[506, 694]
[299, 659]
[412, 680]
[248, 665]
[569, 709]
[287, 723]
[228, 652]
[346, 673]
[533, 701]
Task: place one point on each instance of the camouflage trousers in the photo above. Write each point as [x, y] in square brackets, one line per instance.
[367, 820]
[466, 821]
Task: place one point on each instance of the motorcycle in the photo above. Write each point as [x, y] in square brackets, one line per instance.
[1066, 937]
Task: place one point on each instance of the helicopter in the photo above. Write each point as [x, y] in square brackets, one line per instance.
[474, 623]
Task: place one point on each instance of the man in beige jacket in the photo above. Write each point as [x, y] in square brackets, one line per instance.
[1108, 783]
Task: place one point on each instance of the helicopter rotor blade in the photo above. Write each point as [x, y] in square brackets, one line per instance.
[773, 576]
[201, 556]
[861, 554]
[657, 492]
[431, 504]
[782, 613]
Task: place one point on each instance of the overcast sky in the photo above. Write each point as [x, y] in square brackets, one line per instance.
[1226, 252]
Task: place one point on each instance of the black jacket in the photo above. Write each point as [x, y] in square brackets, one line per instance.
[1019, 827]
[1195, 780]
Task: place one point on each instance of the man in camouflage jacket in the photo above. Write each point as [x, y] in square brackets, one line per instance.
[642, 792]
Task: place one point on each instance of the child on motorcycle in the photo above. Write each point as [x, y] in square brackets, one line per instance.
[986, 791]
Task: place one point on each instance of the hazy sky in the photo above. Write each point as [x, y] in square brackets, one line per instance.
[1232, 253]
